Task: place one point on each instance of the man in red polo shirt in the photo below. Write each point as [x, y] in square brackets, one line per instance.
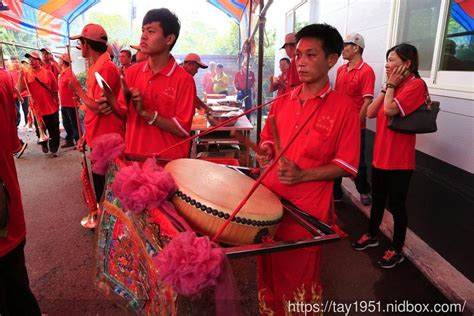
[280, 83]
[192, 63]
[93, 41]
[244, 86]
[162, 94]
[68, 105]
[43, 87]
[290, 49]
[16, 297]
[326, 148]
[356, 79]
[48, 61]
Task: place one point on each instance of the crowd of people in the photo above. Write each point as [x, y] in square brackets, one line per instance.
[152, 106]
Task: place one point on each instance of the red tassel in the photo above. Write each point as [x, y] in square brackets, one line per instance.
[88, 192]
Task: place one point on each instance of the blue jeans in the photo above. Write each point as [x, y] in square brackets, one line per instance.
[248, 101]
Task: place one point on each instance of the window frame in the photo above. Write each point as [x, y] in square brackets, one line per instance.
[291, 16]
[440, 82]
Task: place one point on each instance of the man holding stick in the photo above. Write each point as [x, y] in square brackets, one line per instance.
[42, 86]
[325, 149]
[99, 120]
[160, 100]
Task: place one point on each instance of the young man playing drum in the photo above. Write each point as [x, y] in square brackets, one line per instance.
[326, 148]
[161, 107]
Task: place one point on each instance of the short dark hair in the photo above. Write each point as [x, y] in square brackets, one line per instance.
[220, 66]
[329, 36]
[406, 52]
[96, 46]
[134, 58]
[286, 59]
[169, 22]
[126, 51]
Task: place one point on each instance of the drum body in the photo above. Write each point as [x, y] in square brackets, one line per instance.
[208, 193]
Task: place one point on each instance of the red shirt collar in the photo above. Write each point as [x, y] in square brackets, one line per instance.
[321, 93]
[406, 80]
[357, 67]
[167, 71]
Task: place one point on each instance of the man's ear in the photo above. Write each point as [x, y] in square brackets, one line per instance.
[332, 60]
[170, 39]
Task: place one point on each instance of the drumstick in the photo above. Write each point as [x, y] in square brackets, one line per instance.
[276, 137]
[242, 139]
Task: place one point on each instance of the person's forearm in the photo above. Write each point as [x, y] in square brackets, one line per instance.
[88, 101]
[163, 123]
[374, 107]
[390, 108]
[363, 109]
[324, 173]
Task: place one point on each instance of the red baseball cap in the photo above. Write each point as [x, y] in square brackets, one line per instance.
[195, 58]
[45, 49]
[93, 32]
[33, 55]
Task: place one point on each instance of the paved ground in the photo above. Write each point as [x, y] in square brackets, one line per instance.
[60, 253]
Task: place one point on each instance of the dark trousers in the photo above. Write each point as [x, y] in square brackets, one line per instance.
[19, 107]
[70, 123]
[248, 101]
[99, 184]
[362, 185]
[16, 297]
[392, 185]
[51, 123]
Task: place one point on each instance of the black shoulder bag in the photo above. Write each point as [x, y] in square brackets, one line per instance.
[421, 121]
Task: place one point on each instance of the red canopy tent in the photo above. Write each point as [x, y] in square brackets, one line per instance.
[45, 18]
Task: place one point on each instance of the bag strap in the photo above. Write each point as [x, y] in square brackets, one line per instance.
[428, 97]
[47, 89]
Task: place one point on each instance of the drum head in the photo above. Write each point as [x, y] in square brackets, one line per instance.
[222, 188]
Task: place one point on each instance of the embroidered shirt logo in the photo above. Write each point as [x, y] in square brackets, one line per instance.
[324, 125]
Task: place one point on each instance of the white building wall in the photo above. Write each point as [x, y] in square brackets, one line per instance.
[454, 141]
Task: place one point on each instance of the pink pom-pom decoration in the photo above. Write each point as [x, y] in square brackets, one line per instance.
[190, 264]
[146, 187]
[106, 148]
